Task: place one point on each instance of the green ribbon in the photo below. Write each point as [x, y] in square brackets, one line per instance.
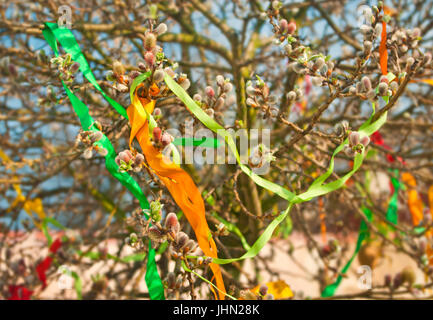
[391, 213]
[329, 291]
[317, 188]
[67, 40]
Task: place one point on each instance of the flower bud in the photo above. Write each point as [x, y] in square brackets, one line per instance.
[383, 89]
[365, 29]
[319, 63]
[354, 138]
[209, 92]
[87, 154]
[220, 80]
[155, 234]
[263, 289]
[166, 139]
[393, 86]
[149, 41]
[283, 25]
[139, 159]
[291, 96]
[210, 112]
[118, 67]
[368, 45]
[185, 84]
[149, 57]
[409, 62]
[157, 112]
[219, 103]
[228, 87]
[197, 97]
[161, 29]
[157, 133]
[291, 28]
[171, 223]
[384, 79]
[366, 83]
[251, 91]
[75, 66]
[288, 49]
[141, 66]
[415, 33]
[180, 241]
[365, 140]
[95, 136]
[158, 76]
[250, 102]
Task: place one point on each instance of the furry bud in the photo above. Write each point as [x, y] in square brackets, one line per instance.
[171, 223]
[365, 140]
[220, 80]
[166, 139]
[228, 87]
[149, 41]
[149, 57]
[219, 103]
[157, 133]
[319, 63]
[185, 84]
[383, 89]
[209, 92]
[283, 25]
[161, 29]
[95, 136]
[366, 83]
[158, 75]
[139, 159]
[291, 27]
[263, 289]
[118, 67]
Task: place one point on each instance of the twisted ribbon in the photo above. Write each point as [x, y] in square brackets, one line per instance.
[65, 37]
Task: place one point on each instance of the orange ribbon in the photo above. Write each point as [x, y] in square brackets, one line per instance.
[383, 53]
[180, 185]
[414, 201]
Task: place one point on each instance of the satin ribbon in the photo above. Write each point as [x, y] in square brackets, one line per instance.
[414, 201]
[383, 53]
[317, 188]
[178, 182]
[67, 40]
